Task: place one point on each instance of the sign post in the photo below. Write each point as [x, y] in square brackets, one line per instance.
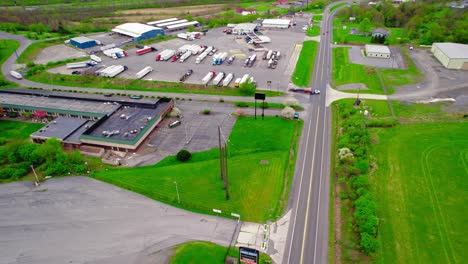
[260, 96]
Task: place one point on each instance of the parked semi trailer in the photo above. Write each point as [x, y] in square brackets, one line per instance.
[228, 79]
[144, 72]
[252, 60]
[218, 78]
[208, 77]
[244, 79]
[113, 71]
[145, 50]
[95, 58]
[165, 55]
[75, 65]
[185, 56]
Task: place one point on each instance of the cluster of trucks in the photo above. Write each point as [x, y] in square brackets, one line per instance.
[112, 71]
[272, 57]
[189, 35]
[115, 53]
[223, 79]
[182, 54]
[250, 60]
[219, 58]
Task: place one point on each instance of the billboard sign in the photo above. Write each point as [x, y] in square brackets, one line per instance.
[248, 255]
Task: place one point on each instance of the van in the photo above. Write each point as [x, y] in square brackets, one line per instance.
[174, 124]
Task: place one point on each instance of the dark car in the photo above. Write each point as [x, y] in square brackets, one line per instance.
[108, 95]
[76, 72]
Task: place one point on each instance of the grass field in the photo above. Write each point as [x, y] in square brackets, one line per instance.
[199, 252]
[317, 17]
[420, 187]
[11, 130]
[345, 72]
[305, 64]
[313, 31]
[341, 33]
[7, 47]
[258, 160]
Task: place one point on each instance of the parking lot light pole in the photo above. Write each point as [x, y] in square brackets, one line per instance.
[177, 190]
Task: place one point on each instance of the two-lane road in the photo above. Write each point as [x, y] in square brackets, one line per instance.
[308, 234]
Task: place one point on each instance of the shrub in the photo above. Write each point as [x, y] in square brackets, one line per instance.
[206, 111]
[368, 243]
[241, 104]
[183, 155]
[247, 88]
[3, 141]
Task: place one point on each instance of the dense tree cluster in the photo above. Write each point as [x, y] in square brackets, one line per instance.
[425, 22]
[16, 159]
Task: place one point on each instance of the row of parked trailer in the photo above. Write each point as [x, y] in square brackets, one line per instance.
[112, 71]
[222, 79]
[272, 57]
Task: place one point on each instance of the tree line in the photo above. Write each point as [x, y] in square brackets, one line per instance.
[424, 22]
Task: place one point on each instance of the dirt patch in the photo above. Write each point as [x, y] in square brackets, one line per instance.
[57, 53]
[352, 86]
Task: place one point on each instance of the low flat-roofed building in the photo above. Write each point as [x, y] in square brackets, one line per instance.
[276, 23]
[60, 128]
[83, 42]
[451, 55]
[244, 28]
[377, 51]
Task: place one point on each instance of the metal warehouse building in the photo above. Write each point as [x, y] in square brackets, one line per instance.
[276, 23]
[377, 51]
[451, 55]
[244, 28]
[138, 31]
[83, 42]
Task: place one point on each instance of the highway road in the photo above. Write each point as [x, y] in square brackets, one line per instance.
[307, 240]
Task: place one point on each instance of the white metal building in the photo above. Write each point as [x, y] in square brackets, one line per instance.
[276, 23]
[182, 26]
[377, 51]
[152, 23]
[451, 55]
[244, 28]
[138, 31]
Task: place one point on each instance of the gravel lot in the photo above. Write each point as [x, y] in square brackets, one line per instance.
[81, 220]
[59, 52]
[281, 40]
[395, 61]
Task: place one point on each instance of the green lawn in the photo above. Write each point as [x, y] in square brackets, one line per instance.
[394, 78]
[7, 47]
[313, 31]
[345, 72]
[317, 17]
[256, 187]
[12, 130]
[336, 6]
[341, 33]
[420, 188]
[199, 252]
[376, 108]
[305, 64]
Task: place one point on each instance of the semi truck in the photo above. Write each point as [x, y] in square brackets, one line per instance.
[16, 74]
[244, 79]
[165, 55]
[76, 65]
[195, 49]
[113, 71]
[268, 56]
[185, 56]
[221, 58]
[144, 72]
[218, 78]
[252, 60]
[95, 58]
[228, 79]
[184, 48]
[208, 77]
[144, 50]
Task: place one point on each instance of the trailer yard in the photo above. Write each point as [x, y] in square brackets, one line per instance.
[226, 45]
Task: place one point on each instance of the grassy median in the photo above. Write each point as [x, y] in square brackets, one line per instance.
[259, 154]
[305, 64]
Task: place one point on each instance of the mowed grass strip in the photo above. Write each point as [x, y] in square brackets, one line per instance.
[258, 156]
[7, 47]
[12, 130]
[420, 187]
[305, 64]
[345, 72]
[199, 252]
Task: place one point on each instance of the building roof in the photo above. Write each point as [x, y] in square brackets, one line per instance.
[82, 39]
[192, 23]
[246, 27]
[377, 49]
[60, 128]
[453, 50]
[133, 29]
[172, 23]
[161, 21]
[276, 21]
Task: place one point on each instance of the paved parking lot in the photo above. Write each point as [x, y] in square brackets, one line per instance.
[82, 220]
[282, 40]
[396, 61]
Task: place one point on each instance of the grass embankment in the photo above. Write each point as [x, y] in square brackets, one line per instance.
[313, 31]
[345, 72]
[7, 47]
[336, 6]
[199, 252]
[305, 64]
[417, 182]
[33, 50]
[135, 85]
[259, 151]
[267, 105]
[420, 187]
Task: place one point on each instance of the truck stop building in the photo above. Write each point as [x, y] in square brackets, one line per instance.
[244, 28]
[92, 121]
[138, 31]
[377, 51]
[276, 23]
[83, 42]
[451, 55]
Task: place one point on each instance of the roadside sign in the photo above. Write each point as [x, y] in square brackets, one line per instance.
[248, 255]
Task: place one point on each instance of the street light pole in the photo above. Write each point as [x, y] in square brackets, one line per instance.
[177, 190]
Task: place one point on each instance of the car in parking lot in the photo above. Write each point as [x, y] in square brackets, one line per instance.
[174, 124]
[108, 95]
[76, 72]
[134, 96]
